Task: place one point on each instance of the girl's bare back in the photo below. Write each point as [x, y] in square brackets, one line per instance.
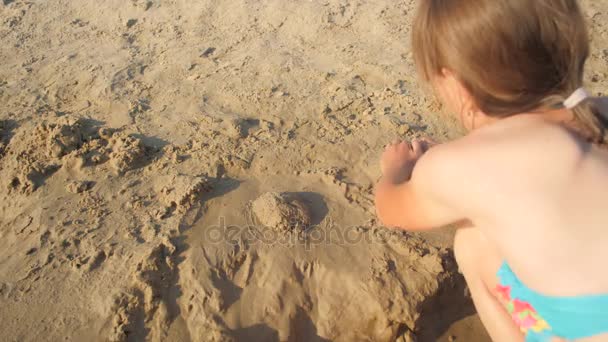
[546, 190]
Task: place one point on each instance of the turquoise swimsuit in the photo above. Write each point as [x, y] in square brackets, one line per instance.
[542, 318]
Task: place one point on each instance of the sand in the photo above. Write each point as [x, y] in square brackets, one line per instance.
[203, 171]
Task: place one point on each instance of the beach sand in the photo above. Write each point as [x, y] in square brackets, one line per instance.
[203, 171]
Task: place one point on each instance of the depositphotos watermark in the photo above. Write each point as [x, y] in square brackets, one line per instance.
[308, 236]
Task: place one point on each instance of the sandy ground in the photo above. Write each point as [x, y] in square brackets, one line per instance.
[202, 171]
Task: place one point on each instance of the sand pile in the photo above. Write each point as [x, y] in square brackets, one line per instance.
[203, 171]
[281, 211]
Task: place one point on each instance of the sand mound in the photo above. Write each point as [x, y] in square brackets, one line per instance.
[36, 153]
[126, 152]
[281, 212]
[61, 137]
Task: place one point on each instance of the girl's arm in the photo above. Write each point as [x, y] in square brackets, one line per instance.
[423, 201]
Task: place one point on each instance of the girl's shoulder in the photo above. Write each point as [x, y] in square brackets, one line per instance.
[528, 134]
[516, 152]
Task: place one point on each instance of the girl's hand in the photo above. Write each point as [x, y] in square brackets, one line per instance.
[399, 159]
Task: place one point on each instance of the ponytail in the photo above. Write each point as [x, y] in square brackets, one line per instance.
[595, 118]
[590, 112]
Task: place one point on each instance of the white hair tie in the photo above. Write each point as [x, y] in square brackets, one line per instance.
[577, 97]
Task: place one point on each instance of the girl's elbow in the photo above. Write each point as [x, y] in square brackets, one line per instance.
[386, 218]
[389, 213]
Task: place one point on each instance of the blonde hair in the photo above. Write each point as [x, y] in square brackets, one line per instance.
[513, 56]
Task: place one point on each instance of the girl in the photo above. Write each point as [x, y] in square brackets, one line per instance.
[529, 183]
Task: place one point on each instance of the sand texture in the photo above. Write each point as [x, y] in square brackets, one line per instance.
[203, 171]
